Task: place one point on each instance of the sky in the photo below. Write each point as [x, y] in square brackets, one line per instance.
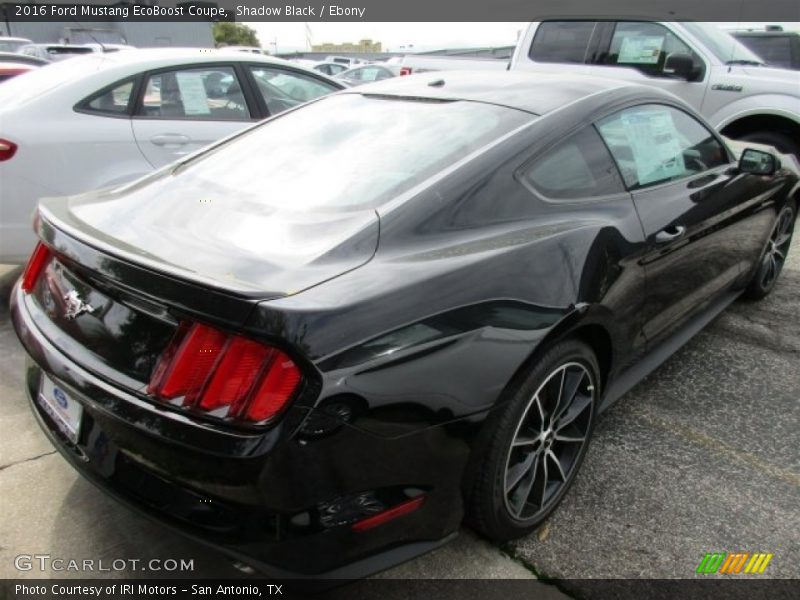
[393, 36]
[398, 37]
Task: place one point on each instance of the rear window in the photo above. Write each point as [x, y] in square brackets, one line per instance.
[562, 41]
[59, 52]
[19, 91]
[350, 152]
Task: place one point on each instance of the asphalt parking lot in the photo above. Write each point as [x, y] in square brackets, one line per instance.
[702, 456]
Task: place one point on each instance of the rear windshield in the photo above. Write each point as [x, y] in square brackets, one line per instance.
[350, 152]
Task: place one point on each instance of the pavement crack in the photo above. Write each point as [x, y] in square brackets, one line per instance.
[24, 460]
[510, 550]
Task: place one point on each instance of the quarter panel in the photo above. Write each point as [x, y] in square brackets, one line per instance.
[468, 279]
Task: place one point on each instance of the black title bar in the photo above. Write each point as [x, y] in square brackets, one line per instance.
[403, 10]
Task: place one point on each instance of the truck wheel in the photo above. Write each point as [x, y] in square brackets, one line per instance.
[783, 143]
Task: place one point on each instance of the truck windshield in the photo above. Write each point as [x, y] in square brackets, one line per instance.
[725, 47]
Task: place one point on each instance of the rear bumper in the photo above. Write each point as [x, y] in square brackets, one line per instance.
[276, 500]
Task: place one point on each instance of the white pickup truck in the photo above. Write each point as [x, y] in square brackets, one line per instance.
[698, 62]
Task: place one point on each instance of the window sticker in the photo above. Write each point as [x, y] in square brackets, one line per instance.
[641, 49]
[656, 147]
[193, 94]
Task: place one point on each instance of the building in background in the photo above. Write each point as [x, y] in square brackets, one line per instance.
[365, 46]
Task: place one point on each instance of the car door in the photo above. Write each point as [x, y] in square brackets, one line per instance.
[638, 51]
[702, 220]
[183, 109]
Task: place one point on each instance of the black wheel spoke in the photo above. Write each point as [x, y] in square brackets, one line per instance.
[544, 482]
[569, 438]
[579, 405]
[515, 474]
[557, 463]
[523, 440]
[571, 386]
[523, 491]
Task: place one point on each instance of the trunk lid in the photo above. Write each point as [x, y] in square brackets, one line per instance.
[216, 237]
[101, 326]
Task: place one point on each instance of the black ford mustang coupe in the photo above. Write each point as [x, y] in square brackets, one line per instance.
[322, 344]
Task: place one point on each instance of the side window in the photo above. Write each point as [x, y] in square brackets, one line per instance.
[653, 144]
[645, 47]
[209, 94]
[110, 102]
[562, 41]
[579, 167]
[283, 90]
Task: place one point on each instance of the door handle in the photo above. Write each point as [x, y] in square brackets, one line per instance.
[670, 234]
[170, 139]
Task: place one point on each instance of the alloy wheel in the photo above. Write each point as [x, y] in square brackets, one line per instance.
[548, 442]
[777, 248]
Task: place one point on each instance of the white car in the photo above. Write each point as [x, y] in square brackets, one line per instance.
[104, 119]
[329, 68]
[13, 44]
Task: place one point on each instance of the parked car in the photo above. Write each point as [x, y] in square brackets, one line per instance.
[347, 61]
[98, 47]
[250, 49]
[12, 44]
[121, 115]
[718, 76]
[412, 64]
[317, 344]
[12, 69]
[776, 48]
[368, 73]
[329, 68]
[15, 57]
[55, 52]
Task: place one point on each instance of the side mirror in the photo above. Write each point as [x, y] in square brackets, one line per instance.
[681, 65]
[758, 162]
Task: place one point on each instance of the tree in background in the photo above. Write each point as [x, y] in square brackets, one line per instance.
[234, 34]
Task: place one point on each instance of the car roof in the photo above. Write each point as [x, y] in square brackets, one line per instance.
[766, 33]
[54, 45]
[537, 93]
[155, 57]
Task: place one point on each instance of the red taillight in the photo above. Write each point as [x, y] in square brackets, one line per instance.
[405, 71]
[390, 514]
[7, 149]
[39, 259]
[227, 376]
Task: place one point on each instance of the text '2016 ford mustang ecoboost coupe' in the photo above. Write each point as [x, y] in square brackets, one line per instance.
[323, 343]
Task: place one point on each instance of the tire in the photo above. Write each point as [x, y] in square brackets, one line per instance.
[783, 143]
[773, 258]
[510, 480]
